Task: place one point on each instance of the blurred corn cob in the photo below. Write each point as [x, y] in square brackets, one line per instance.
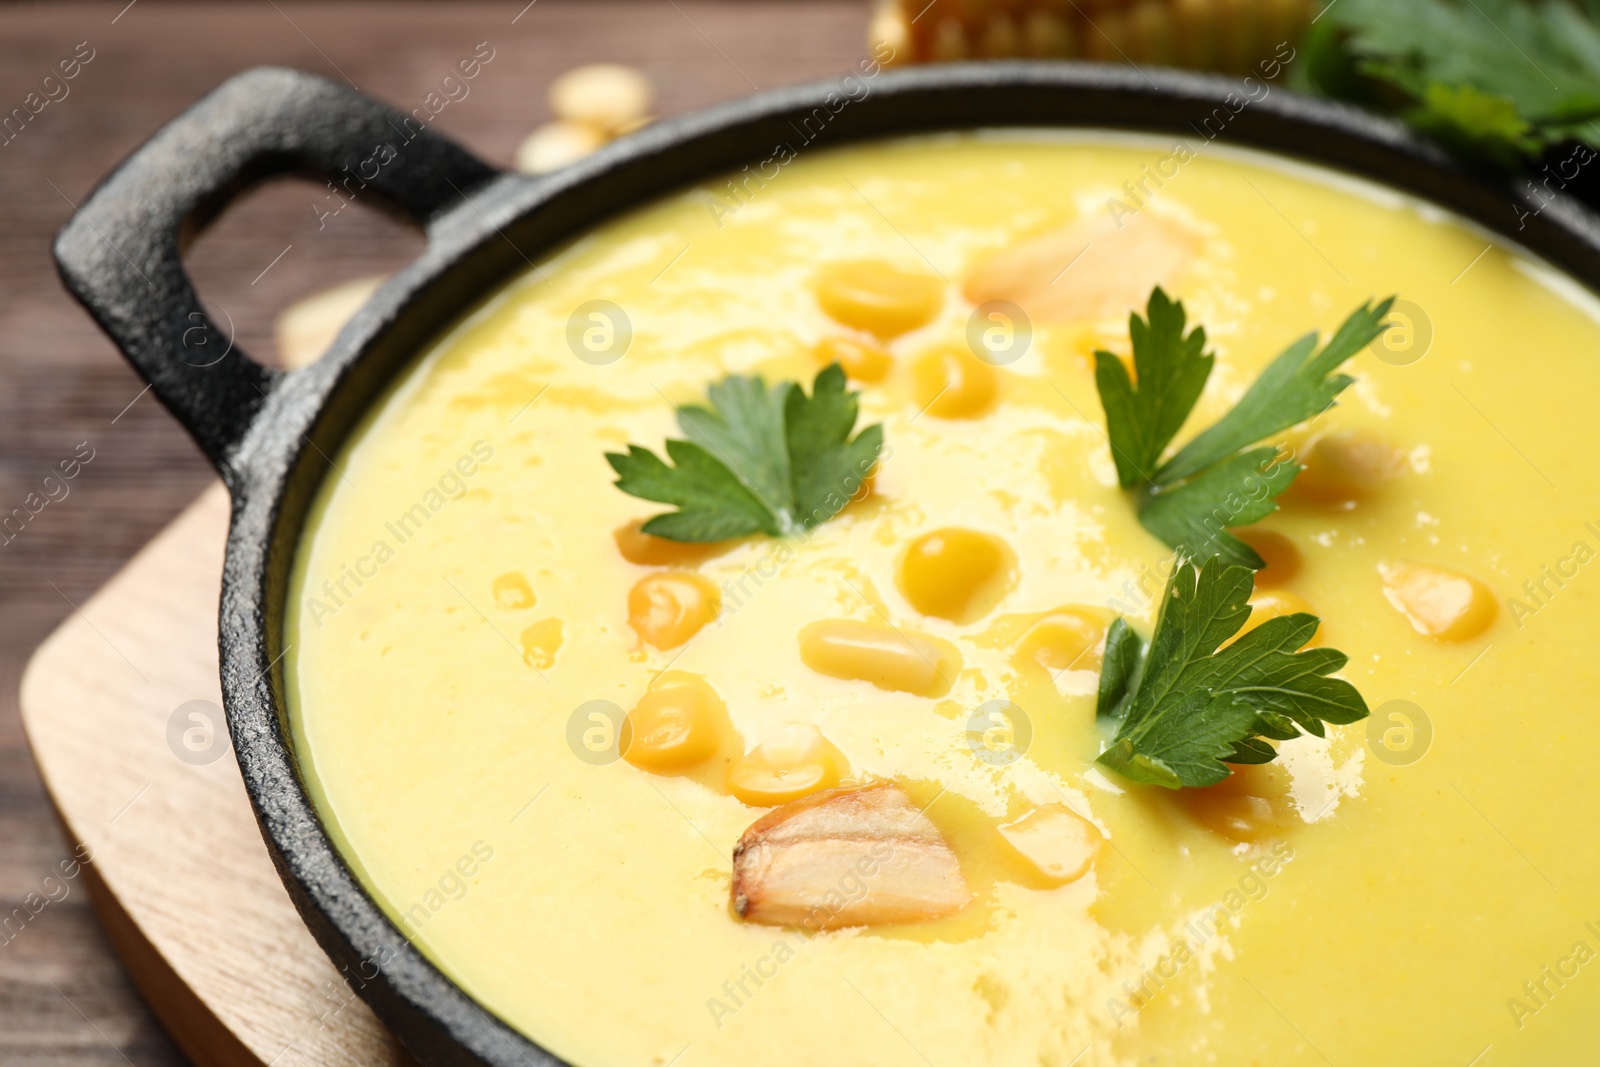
[1220, 35]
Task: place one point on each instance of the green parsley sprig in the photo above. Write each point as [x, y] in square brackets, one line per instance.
[1185, 707]
[1216, 480]
[1496, 79]
[759, 459]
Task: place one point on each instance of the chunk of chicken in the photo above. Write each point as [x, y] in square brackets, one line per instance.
[1091, 270]
[854, 856]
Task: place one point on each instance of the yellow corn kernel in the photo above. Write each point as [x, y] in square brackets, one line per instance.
[1055, 841]
[954, 573]
[677, 724]
[863, 361]
[999, 39]
[949, 42]
[1150, 32]
[1232, 35]
[512, 591]
[1270, 604]
[1067, 639]
[1046, 35]
[669, 607]
[952, 383]
[556, 144]
[636, 546]
[890, 33]
[541, 642]
[1281, 556]
[1437, 602]
[794, 762]
[1251, 804]
[887, 657]
[1345, 467]
[878, 297]
[607, 96]
[1112, 37]
[1195, 29]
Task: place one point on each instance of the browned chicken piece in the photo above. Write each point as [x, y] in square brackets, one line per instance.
[853, 856]
[1093, 269]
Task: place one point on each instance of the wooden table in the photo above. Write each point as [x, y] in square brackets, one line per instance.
[63, 998]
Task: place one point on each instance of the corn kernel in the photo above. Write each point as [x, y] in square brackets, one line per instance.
[890, 33]
[512, 591]
[1281, 556]
[883, 655]
[1437, 602]
[669, 607]
[608, 96]
[636, 546]
[1345, 467]
[954, 573]
[1046, 35]
[1067, 639]
[794, 762]
[1272, 603]
[1151, 32]
[878, 297]
[999, 39]
[1249, 805]
[556, 144]
[952, 383]
[1112, 37]
[676, 725]
[541, 642]
[864, 361]
[1055, 841]
[1196, 31]
[949, 42]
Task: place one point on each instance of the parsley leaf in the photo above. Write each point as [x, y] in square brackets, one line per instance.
[1197, 706]
[1502, 79]
[1172, 368]
[758, 459]
[1298, 385]
[1216, 480]
[1193, 517]
[1119, 671]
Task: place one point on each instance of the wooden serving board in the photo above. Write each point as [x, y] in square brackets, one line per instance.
[121, 706]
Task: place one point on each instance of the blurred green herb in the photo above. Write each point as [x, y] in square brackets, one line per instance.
[1501, 80]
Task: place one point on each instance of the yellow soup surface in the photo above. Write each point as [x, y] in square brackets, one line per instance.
[465, 631]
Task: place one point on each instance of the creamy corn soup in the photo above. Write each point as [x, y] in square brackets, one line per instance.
[538, 734]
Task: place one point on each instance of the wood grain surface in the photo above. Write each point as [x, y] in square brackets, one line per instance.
[121, 705]
[65, 394]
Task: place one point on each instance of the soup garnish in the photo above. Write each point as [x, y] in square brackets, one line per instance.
[1216, 480]
[758, 460]
[1194, 701]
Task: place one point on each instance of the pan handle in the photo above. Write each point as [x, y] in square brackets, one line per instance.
[121, 253]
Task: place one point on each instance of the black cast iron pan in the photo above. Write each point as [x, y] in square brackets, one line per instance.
[270, 433]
